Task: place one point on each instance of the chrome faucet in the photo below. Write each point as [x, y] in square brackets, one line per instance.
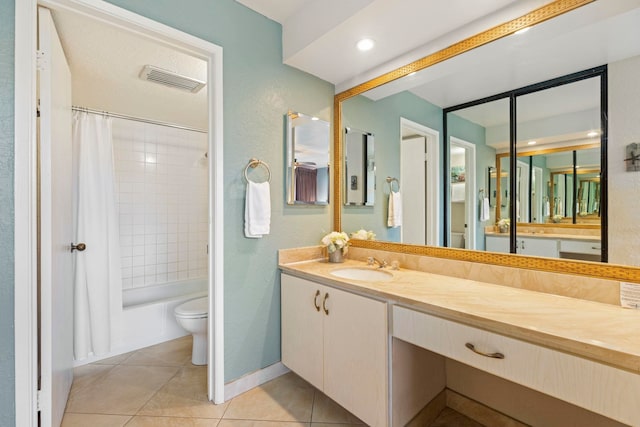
[372, 261]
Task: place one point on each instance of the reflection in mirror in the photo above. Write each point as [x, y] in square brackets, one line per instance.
[359, 167]
[475, 134]
[589, 36]
[307, 160]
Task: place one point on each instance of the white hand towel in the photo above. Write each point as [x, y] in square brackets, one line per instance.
[394, 218]
[257, 211]
[484, 211]
[547, 209]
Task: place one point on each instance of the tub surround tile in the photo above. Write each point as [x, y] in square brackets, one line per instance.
[286, 398]
[123, 391]
[597, 331]
[185, 395]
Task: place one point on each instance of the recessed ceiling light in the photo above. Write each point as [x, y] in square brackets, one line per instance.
[523, 30]
[592, 134]
[532, 142]
[365, 45]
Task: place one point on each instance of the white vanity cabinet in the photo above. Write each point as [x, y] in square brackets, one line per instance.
[497, 243]
[597, 387]
[534, 246]
[338, 341]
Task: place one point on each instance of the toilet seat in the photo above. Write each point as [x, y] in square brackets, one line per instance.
[194, 309]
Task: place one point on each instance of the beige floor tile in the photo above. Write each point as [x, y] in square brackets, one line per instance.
[93, 420]
[185, 395]
[123, 391]
[115, 360]
[171, 353]
[287, 398]
[85, 376]
[326, 410]
[333, 425]
[253, 423]
[140, 421]
[450, 418]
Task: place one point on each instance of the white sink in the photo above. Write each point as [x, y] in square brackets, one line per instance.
[364, 274]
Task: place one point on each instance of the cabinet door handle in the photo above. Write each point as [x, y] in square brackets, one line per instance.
[595, 247]
[482, 353]
[522, 245]
[315, 301]
[324, 303]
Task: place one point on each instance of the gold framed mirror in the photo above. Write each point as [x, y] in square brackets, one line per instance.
[548, 12]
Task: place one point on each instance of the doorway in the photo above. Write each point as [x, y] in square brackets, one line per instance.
[26, 348]
[464, 199]
[419, 183]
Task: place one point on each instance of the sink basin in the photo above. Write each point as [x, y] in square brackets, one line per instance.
[364, 274]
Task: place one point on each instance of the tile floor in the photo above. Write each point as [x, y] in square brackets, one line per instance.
[158, 386]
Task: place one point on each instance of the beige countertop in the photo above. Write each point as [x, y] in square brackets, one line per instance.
[600, 332]
[538, 235]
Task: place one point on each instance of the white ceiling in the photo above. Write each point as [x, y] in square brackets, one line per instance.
[105, 62]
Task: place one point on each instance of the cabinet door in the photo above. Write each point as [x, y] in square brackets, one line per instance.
[355, 354]
[537, 247]
[497, 244]
[302, 328]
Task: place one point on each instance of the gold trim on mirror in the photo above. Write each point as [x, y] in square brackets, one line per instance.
[584, 268]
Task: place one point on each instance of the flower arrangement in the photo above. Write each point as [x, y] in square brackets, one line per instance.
[336, 240]
[504, 222]
[363, 234]
[557, 218]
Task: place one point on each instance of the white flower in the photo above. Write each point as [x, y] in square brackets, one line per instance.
[363, 234]
[336, 240]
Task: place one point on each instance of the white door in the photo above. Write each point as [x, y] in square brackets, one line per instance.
[56, 278]
[413, 189]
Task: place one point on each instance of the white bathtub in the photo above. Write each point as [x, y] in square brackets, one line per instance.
[147, 315]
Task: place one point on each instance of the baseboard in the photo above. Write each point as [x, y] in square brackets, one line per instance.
[252, 380]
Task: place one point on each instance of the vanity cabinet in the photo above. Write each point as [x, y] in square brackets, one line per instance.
[603, 389]
[537, 246]
[338, 341]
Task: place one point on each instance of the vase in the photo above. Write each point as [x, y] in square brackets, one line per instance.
[336, 256]
[503, 228]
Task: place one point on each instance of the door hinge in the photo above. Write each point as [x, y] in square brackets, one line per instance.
[41, 60]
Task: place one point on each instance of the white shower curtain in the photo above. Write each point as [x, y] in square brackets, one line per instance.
[98, 280]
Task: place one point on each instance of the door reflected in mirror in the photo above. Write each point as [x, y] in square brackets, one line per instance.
[359, 167]
[307, 160]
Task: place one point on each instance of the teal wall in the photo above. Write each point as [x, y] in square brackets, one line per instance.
[485, 156]
[258, 91]
[7, 372]
[382, 118]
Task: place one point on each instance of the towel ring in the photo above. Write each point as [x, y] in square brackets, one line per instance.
[391, 180]
[254, 163]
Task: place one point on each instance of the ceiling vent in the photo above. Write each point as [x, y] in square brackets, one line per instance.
[171, 79]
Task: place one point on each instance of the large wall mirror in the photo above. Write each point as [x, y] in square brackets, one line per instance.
[547, 175]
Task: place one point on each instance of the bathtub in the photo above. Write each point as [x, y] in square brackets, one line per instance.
[147, 315]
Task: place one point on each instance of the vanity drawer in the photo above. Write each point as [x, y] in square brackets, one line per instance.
[581, 247]
[606, 390]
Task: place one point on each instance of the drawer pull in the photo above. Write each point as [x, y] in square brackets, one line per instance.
[324, 303]
[481, 353]
[315, 301]
[595, 248]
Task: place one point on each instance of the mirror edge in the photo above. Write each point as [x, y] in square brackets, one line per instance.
[583, 268]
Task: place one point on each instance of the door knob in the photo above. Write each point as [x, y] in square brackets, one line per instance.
[79, 247]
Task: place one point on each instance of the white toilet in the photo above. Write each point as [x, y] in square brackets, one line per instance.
[192, 316]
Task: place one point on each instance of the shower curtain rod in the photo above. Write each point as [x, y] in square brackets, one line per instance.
[136, 119]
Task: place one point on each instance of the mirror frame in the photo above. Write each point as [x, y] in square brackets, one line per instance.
[584, 268]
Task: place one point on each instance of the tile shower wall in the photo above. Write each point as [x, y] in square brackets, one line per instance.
[162, 196]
